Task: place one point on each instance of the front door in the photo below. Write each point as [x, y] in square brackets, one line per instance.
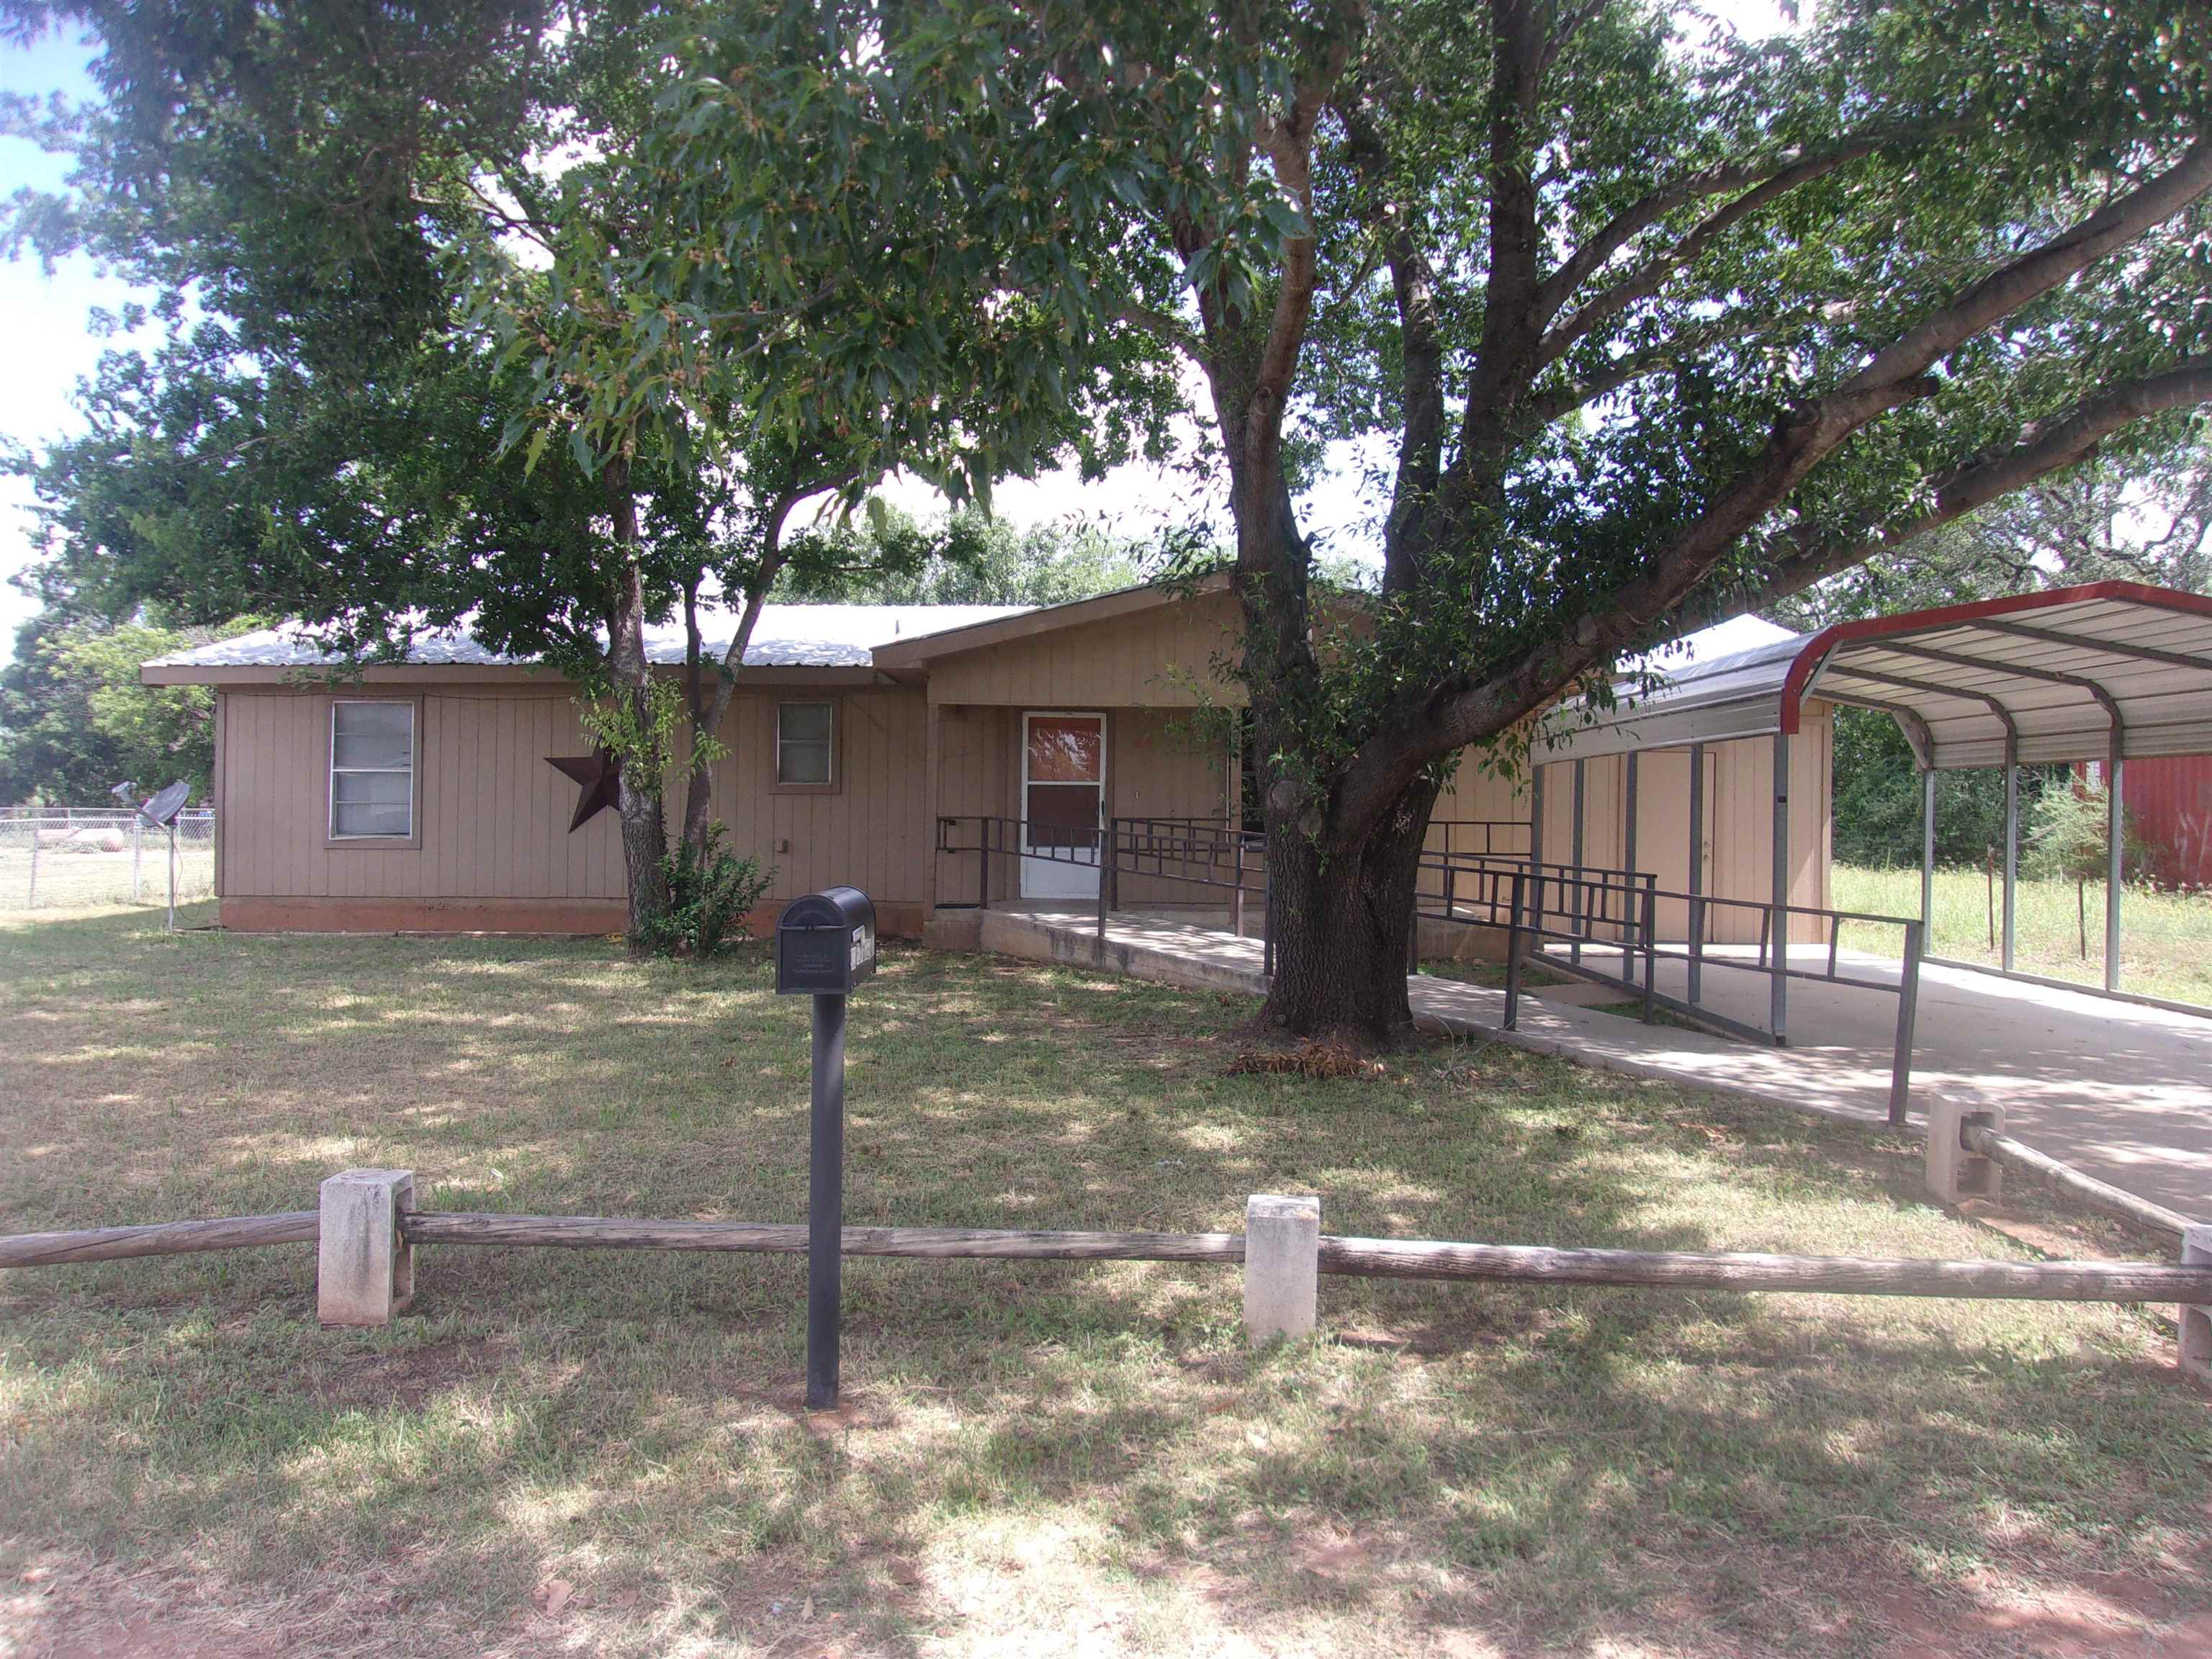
[1063, 802]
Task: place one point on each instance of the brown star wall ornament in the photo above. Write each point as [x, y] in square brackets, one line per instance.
[597, 775]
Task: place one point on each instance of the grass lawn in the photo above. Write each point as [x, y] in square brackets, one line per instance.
[601, 1452]
[2166, 939]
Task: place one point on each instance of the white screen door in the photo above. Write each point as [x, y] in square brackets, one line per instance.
[1063, 796]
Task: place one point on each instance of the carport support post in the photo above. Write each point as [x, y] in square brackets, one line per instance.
[1581, 894]
[1697, 917]
[2012, 842]
[1282, 1266]
[1928, 849]
[826, 1205]
[1628, 851]
[2115, 859]
[1779, 991]
[2196, 1346]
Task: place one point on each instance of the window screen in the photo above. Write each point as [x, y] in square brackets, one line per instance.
[803, 742]
[371, 770]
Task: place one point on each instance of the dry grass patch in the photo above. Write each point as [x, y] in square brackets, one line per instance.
[602, 1452]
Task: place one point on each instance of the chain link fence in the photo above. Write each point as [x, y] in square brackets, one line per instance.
[57, 858]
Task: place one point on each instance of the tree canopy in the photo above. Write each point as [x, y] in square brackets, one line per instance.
[389, 245]
[1654, 324]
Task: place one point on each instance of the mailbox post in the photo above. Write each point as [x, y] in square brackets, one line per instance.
[825, 945]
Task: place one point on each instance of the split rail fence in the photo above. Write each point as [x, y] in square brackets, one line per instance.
[365, 1229]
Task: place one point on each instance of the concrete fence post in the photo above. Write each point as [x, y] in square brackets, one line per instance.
[1282, 1266]
[1954, 1172]
[364, 1269]
[2195, 1350]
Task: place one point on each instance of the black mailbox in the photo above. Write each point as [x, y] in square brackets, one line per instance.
[825, 943]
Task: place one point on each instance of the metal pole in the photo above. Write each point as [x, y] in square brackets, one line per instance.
[170, 926]
[826, 1204]
[1105, 876]
[2115, 875]
[1908, 1011]
[1928, 849]
[1581, 893]
[1651, 953]
[31, 898]
[1628, 848]
[1778, 989]
[137, 838]
[1535, 812]
[1236, 898]
[2012, 844]
[1513, 948]
[1697, 916]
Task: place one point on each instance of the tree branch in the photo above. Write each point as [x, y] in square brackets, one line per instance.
[1454, 715]
[2042, 449]
[1763, 183]
[1163, 326]
[2037, 272]
[1421, 387]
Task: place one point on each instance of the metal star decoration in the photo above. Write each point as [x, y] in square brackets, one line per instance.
[599, 777]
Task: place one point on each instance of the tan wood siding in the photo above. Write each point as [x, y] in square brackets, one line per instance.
[1739, 823]
[494, 817]
[1167, 763]
[1158, 658]
[870, 831]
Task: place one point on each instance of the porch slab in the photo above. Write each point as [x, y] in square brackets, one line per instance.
[2122, 1092]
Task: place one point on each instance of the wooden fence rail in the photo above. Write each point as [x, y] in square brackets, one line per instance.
[1366, 1258]
[1675, 1270]
[587, 1232]
[1994, 1143]
[238, 1232]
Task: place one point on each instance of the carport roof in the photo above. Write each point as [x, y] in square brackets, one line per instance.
[2058, 676]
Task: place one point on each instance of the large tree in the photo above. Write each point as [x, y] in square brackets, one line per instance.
[1653, 325]
[390, 242]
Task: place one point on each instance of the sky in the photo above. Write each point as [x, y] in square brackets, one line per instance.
[52, 347]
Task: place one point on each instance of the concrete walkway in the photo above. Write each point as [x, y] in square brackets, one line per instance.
[2122, 1092]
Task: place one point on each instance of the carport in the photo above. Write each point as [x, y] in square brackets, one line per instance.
[2100, 674]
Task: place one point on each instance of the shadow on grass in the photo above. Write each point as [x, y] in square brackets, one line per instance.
[1560, 1467]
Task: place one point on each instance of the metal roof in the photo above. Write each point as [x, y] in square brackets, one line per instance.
[2065, 675]
[786, 636]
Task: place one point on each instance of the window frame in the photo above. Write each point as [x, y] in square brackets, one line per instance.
[837, 782]
[413, 838]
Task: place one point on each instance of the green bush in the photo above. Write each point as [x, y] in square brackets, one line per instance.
[1877, 799]
[2066, 835]
[710, 890]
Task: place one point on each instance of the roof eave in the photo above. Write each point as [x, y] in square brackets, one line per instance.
[916, 653]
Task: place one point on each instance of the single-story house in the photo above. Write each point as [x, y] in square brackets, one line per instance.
[418, 796]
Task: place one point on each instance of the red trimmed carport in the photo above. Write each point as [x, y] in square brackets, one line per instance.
[2103, 674]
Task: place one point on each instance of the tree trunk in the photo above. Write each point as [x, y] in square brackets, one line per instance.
[1342, 905]
[1341, 925]
[644, 822]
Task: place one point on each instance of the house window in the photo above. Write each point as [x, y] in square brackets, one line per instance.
[804, 733]
[372, 771]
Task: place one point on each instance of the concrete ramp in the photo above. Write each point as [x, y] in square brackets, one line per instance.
[2122, 1092]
